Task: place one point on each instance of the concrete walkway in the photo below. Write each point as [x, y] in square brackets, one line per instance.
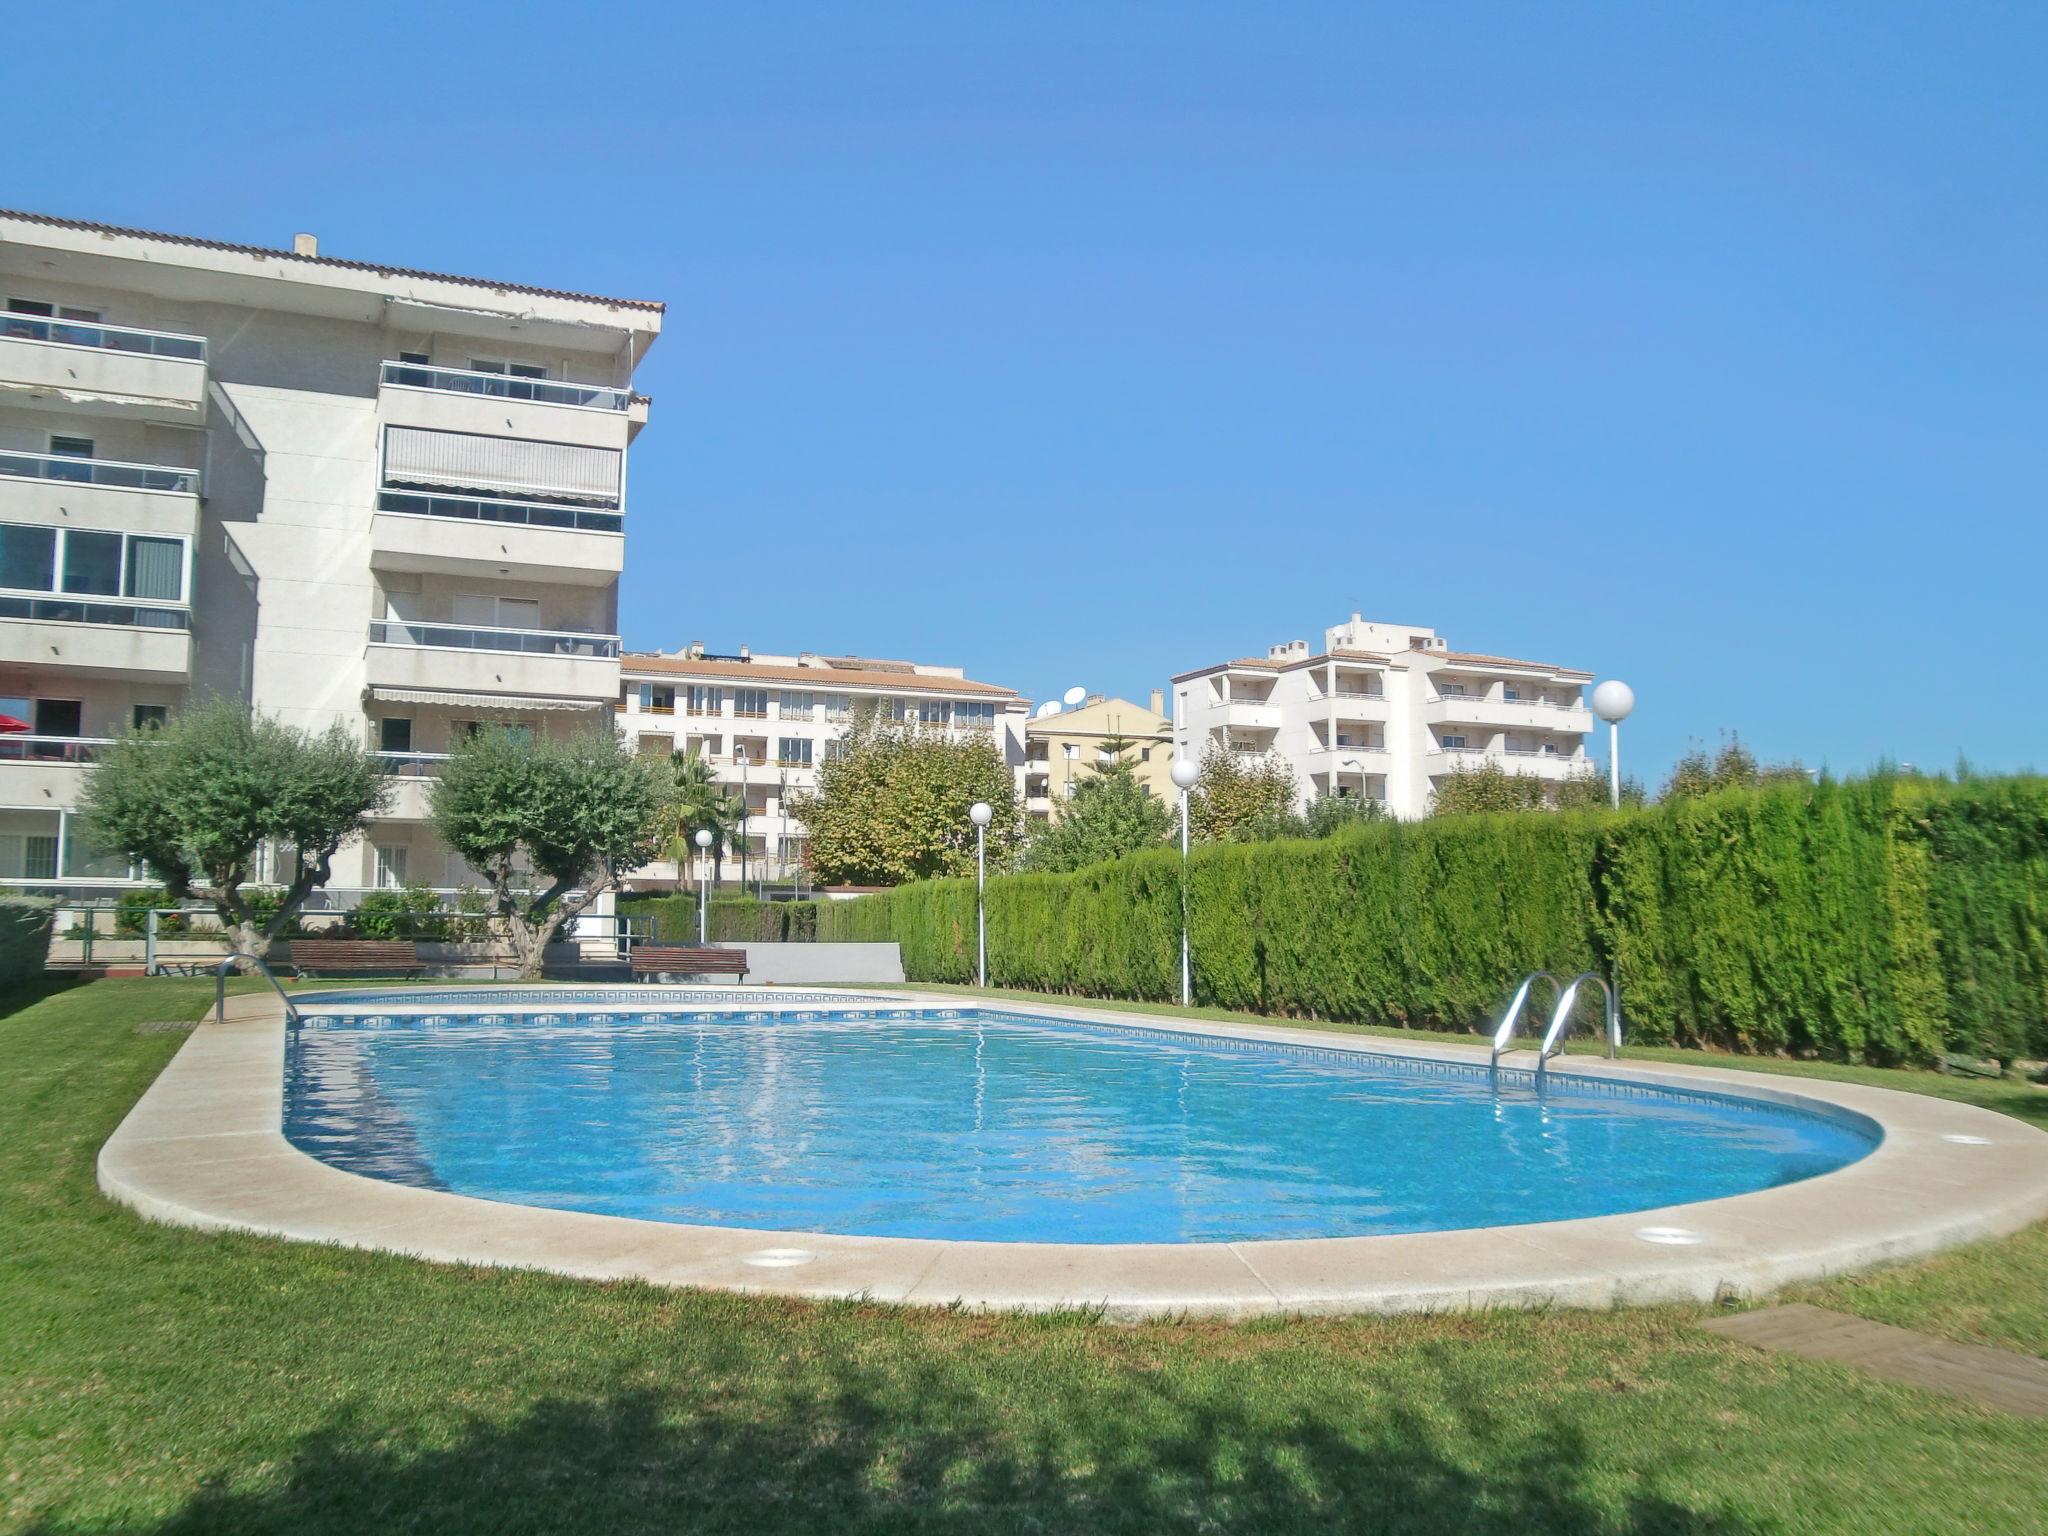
[204, 1147]
[1994, 1378]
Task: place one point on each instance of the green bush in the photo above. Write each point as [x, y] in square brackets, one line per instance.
[25, 923]
[132, 909]
[732, 919]
[1878, 920]
[415, 912]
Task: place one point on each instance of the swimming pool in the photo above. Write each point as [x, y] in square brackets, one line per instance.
[829, 1113]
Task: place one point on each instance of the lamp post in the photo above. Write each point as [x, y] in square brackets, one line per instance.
[980, 814]
[1184, 775]
[703, 842]
[1613, 701]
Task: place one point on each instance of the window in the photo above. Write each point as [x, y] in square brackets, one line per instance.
[1070, 751]
[796, 705]
[1067, 789]
[151, 717]
[59, 717]
[1511, 694]
[1454, 743]
[789, 848]
[391, 859]
[394, 734]
[838, 707]
[658, 698]
[92, 563]
[1550, 749]
[793, 751]
[155, 569]
[705, 701]
[982, 715]
[490, 365]
[1104, 757]
[490, 612]
[835, 749]
[1144, 754]
[423, 359]
[27, 557]
[750, 703]
[51, 311]
[64, 447]
[935, 711]
[1451, 690]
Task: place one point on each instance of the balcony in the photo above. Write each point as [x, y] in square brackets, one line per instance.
[469, 658]
[103, 370]
[502, 405]
[1249, 714]
[481, 535]
[412, 782]
[1502, 713]
[45, 770]
[59, 490]
[139, 641]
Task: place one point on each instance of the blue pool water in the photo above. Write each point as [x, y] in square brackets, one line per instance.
[1006, 1127]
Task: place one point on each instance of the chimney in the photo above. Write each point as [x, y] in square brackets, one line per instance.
[1158, 701]
[304, 244]
[746, 653]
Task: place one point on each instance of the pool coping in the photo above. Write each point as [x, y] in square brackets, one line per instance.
[204, 1147]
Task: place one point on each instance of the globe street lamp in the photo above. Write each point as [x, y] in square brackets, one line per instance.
[703, 842]
[1184, 775]
[980, 814]
[1613, 701]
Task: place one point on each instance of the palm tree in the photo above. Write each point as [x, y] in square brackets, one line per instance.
[697, 803]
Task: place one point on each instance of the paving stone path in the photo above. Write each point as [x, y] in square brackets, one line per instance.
[1995, 1378]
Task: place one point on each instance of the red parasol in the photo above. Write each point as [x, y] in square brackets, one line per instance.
[10, 726]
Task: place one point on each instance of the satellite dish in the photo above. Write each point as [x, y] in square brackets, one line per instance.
[1049, 708]
[1074, 695]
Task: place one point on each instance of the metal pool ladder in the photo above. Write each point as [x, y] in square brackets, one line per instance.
[220, 987]
[1508, 1020]
[1553, 1037]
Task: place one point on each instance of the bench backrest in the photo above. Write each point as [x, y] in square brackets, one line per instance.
[649, 957]
[355, 951]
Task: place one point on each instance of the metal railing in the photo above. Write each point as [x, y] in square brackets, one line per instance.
[73, 610]
[51, 749]
[490, 509]
[472, 637]
[108, 338]
[1553, 1037]
[412, 765]
[506, 386]
[112, 473]
[220, 987]
[1505, 1031]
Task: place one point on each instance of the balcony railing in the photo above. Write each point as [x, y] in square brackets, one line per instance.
[107, 472]
[469, 637]
[75, 610]
[411, 765]
[507, 386]
[52, 749]
[109, 338]
[486, 509]
[1481, 698]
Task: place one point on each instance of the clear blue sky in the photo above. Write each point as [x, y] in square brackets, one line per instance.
[1704, 345]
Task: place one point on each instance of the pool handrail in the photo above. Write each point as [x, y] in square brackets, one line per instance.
[220, 988]
[1505, 1031]
[1553, 1037]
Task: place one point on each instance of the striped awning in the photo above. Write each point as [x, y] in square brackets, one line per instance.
[467, 461]
[521, 703]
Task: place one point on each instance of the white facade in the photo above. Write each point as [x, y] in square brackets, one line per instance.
[766, 724]
[1386, 711]
[335, 491]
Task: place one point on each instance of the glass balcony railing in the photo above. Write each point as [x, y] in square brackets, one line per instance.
[507, 386]
[109, 338]
[107, 472]
[411, 765]
[78, 610]
[485, 509]
[51, 749]
[469, 637]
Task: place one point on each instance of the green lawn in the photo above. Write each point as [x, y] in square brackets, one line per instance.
[166, 1381]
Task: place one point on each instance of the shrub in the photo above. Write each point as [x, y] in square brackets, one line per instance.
[1876, 920]
[132, 909]
[415, 912]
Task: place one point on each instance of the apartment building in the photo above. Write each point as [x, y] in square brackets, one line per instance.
[1386, 711]
[1063, 750]
[337, 490]
[766, 725]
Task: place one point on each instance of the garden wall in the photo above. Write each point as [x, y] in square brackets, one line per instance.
[1883, 919]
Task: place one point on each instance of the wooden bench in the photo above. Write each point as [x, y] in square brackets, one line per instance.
[334, 956]
[674, 960]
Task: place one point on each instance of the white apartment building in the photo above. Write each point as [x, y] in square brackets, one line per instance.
[337, 490]
[1386, 711]
[767, 724]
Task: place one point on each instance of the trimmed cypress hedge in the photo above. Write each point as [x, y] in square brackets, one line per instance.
[24, 938]
[1882, 919]
[732, 919]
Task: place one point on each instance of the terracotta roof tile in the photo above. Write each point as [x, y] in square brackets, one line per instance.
[1474, 659]
[821, 679]
[54, 222]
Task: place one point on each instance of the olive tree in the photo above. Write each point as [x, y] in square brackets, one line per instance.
[196, 799]
[549, 824]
